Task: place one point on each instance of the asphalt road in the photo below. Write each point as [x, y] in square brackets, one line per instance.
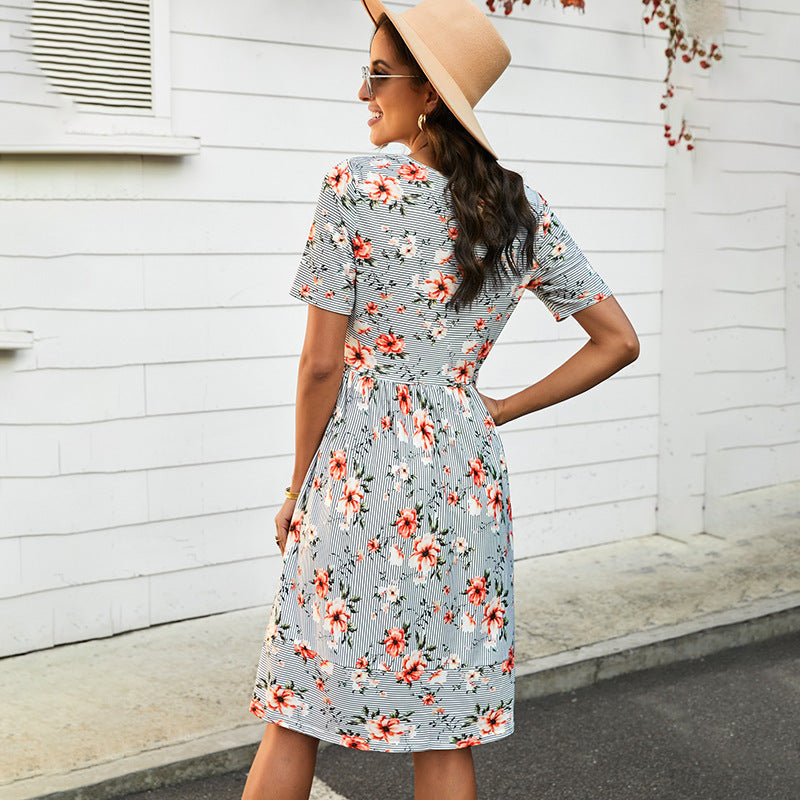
[723, 727]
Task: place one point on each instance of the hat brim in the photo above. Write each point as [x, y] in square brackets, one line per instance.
[448, 89]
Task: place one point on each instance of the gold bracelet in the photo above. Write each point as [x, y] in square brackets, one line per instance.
[290, 494]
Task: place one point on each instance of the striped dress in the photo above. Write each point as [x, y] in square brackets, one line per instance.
[393, 625]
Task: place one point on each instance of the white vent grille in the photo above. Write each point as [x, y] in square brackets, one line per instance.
[96, 51]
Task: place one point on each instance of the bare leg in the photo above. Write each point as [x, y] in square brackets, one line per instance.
[444, 775]
[283, 768]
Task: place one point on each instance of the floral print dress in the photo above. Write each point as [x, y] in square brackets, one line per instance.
[393, 625]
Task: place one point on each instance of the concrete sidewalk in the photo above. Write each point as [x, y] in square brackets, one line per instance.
[107, 717]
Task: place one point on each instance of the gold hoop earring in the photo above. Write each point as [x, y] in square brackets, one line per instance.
[421, 120]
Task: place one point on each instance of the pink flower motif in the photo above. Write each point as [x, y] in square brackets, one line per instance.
[406, 522]
[395, 641]
[462, 371]
[337, 616]
[339, 178]
[495, 499]
[439, 286]
[476, 593]
[493, 721]
[426, 553]
[493, 617]
[412, 668]
[355, 742]
[281, 699]
[423, 429]
[357, 355]
[413, 172]
[384, 728]
[476, 471]
[352, 495]
[389, 343]
[337, 466]
[382, 188]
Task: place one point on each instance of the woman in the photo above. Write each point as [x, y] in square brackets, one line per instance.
[393, 626]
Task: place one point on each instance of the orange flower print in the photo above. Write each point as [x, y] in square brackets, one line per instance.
[382, 188]
[295, 525]
[467, 623]
[404, 398]
[412, 668]
[412, 172]
[281, 699]
[311, 232]
[448, 617]
[356, 742]
[493, 617]
[389, 343]
[395, 641]
[476, 471]
[439, 286]
[339, 178]
[425, 554]
[357, 355]
[257, 708]
[470, 741]
[304, 651]
[352, 495]
[462, 371]
[476, 592]
[362, 248]
[384, 728]
[365, 385]
[599, 297]
[429, 700]
[494, 499]
[406, 522]
[371, 308]
[484, 351]
[508, 664]
[337, 616]
[322, 582]
[337, 466]
[423, 430]
[494, 721]
[452, 498]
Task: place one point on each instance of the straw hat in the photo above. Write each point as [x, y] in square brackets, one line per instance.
[458, 49]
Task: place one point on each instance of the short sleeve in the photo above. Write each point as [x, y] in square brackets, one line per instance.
[563, 279]
[326, 274]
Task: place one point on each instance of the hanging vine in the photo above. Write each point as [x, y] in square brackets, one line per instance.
[689, 46]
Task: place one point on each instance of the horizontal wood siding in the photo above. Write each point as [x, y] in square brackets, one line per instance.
[729, 398]
[147, 436]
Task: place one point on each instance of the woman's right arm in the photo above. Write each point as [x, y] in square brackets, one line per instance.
[612, 345]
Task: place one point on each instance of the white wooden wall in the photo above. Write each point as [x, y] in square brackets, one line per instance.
[146, 438]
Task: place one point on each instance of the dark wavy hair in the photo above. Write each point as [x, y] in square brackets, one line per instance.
[489, 201]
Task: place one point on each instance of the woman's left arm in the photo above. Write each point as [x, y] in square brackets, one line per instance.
[319, 377]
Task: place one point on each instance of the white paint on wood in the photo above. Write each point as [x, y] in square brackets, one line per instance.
[146, 437]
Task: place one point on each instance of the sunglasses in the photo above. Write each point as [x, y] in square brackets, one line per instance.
[367, 77]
